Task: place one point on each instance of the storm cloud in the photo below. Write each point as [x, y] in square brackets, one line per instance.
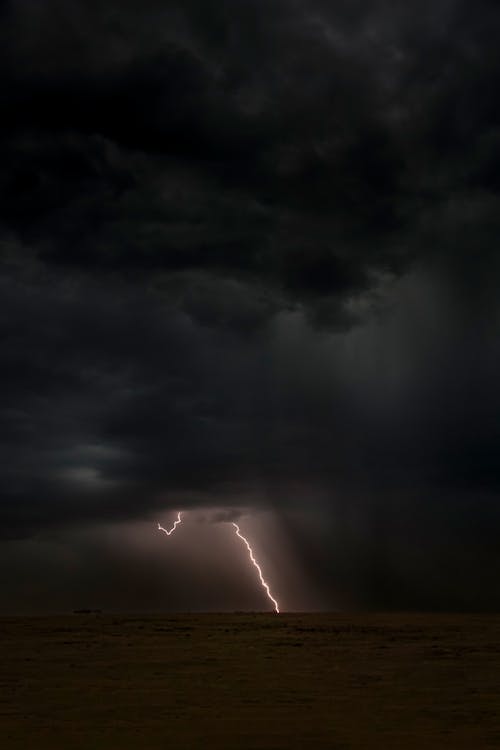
[249, 265]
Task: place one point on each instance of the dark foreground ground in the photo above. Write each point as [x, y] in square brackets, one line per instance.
[250, 681]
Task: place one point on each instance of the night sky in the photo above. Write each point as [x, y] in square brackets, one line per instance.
[249, 269]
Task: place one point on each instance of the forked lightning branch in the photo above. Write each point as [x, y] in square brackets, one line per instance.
[245, 541]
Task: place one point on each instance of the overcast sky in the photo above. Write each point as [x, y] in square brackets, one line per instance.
[249, 268]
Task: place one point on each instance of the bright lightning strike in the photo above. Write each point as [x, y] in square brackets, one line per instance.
[256, 564]
[171, 531]
[250, 554]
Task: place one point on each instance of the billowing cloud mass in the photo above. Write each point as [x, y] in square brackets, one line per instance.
[249, 265]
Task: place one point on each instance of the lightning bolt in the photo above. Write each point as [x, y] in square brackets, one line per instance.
[171, 531]
[256, 564]
[250, 554]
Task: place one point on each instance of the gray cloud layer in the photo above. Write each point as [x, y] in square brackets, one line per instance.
[249, 257]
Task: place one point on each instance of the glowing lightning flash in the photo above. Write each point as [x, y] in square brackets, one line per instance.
[250, 554]
[256, 564]
[171, 531]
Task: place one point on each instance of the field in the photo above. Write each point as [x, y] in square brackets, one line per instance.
[250, 681]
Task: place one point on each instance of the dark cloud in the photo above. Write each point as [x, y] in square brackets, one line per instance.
[248, 261]
[174, 155]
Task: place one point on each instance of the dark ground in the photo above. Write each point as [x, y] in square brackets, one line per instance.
[250, 681]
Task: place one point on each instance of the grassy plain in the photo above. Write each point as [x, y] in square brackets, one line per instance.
[259, 681]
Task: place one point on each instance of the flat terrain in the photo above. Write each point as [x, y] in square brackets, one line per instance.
[250, 681]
